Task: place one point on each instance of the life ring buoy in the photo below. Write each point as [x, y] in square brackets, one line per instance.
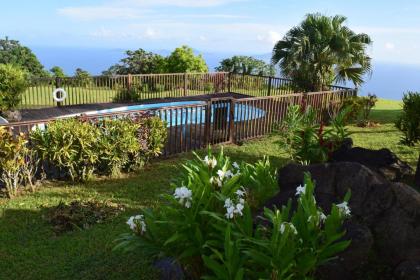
[63, 95]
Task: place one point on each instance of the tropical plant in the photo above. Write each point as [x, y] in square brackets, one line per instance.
[360, 108]
[12, 160]
[305, 140]
[152, 135]
[69, 144]
[183, 60]
[208, 227]
[246, 65]
[118, 145]
[82, 78]
[322, 50]
[138, 62]
[57, 72]
[12, 52]
[409, 120]
[12, 84]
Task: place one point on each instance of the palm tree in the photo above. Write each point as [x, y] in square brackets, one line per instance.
[320, 51]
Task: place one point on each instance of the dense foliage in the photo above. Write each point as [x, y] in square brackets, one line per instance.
[82, 78]
[320, 51]
[138, 62]
[12, 84]
[246, 65]
[80, 148]
[207, 226]
[57, 72]
[183, 59]
[15, 162]
[307, 141]
[409, 121]
[12, 52]
[360, 108]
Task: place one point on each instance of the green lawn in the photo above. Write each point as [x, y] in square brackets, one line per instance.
[30, 250]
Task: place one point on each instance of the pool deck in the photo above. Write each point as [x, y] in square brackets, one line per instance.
[53, 112]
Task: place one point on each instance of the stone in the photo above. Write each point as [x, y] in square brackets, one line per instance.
[385, 215]
[169, 269]
[382, 161]
[408, 270]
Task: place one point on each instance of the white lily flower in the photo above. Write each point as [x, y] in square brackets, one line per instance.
[240, 192]
[344, 208]
[184, 195]
[228, 203]
[229, 212]
[300, 190]
[137, 222]
[239, 208]
[322, 217]
[211, 162]
[235, 165]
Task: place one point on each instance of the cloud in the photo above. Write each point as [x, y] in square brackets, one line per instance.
[241, 37]
[270, 37]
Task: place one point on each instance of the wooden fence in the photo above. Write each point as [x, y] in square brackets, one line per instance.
[221, 120]
[135, 88]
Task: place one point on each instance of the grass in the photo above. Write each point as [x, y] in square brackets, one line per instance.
[30, 250]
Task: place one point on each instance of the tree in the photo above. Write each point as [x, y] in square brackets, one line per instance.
[322, 50]
[12, 52]
[183, 59]
[57, 72]
[246, 65]
[12, 84]
[138, 62]
[82, 77]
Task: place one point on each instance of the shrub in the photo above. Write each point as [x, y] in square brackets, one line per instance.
[117, 145]
[306, 141]
[207, 226]
[12, 84]
[360, 108]
[409, 121]
[69, 144]
[152, 135]
[12, 161]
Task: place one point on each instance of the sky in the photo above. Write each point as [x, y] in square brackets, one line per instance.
[231, 26]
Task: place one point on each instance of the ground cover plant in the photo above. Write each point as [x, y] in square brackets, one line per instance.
[30, 249]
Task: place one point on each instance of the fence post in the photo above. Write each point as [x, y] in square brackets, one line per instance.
[207, 123]
[232, 121]
[58, 85]
[269, 85]
[185, 84]
[129, 83]
[229, 82]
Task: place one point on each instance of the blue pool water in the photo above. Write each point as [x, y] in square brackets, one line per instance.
[189, 115]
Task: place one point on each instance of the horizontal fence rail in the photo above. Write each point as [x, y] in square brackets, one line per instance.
[135, 88]
[219, 120]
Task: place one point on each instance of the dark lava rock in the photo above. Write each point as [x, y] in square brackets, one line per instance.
[408, 270]
[385, 215]
[169, 269]
[382, 161]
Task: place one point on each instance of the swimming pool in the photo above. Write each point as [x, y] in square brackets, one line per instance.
[187, 115]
